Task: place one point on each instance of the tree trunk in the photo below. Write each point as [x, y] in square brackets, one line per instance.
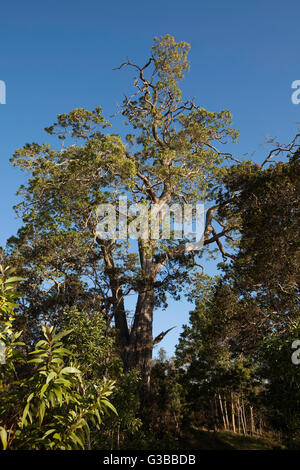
[226, 412]
[244, 417]
[117, 298]
[140, 347]
[233, 412]
[222, 411]
[214, 413]
[252, 420]
[244, 424]
[136, 344]
[239, 416]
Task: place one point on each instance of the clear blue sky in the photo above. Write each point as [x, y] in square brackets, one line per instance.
[59, 55]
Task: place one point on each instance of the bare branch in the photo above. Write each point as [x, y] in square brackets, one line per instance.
[161, 336]
[285, 148]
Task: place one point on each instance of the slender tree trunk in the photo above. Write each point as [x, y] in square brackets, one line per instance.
[112, 440]
[260, 426]
[244, 416]
[216, 413]
[226, 413]
[243, 421]
[222, 412]
[232, 412]
[212, 413]
[118, 437]
[252, 420]
[239, 415]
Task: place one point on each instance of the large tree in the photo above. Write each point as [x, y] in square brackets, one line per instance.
[170, 156]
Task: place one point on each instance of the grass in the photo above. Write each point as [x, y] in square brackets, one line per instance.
[198, 439]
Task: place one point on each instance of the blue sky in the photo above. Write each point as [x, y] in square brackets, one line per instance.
[60, 55]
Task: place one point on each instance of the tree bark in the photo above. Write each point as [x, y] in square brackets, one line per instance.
[136, 344]
[244, 417]
[140, 347]
[117, 298]
[226, 412]
[222, 411]
[252, 420]
[233, 412]
[239, 416]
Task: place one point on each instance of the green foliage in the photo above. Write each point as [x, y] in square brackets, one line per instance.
[282, 394]
[93, 346]
[50, 407]
[92, 343]
[236, 351]
[210, 364]
[121, 430]
[59, 394]
[267, 214]
[233, 357]
[9, 338]
[167, 397]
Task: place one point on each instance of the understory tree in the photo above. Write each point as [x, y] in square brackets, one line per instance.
[222, 383]
[45, 401]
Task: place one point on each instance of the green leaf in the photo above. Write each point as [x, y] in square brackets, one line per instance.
[50, 431]
[109, 405]
[30, 397]
[62, 334]
[41, 411]
[3, 437]
[38, 360]
[14, 279]
[25, 413]
[43, 389]
[77, 440]
[51, 376]
[70, 370]
[59, 396]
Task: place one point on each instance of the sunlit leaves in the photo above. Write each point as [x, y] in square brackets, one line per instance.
[57, 410]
